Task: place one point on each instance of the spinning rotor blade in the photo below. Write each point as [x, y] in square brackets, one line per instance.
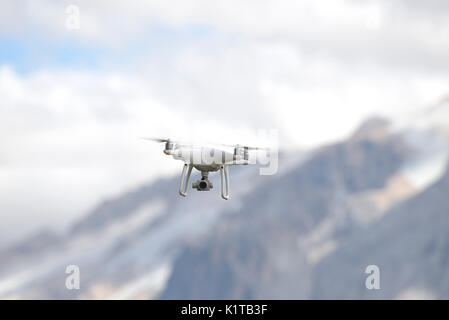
[255, 148]
[244, 147]
[179, 144]
[186, 145]
[156, 139]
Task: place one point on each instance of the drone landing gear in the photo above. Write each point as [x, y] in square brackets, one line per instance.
[183, 185]
[224, 181]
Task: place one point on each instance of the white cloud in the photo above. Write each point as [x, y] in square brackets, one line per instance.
[313, 71]
[69, 139]
[406, 33]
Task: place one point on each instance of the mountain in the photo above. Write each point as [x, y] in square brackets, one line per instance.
[306, 232]
[124, 247]
[268, 248]
[349, 206]
[410, 246]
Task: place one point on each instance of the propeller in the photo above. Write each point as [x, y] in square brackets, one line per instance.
[244, 147]
[181, 144]
[156, 139]
[169, 143]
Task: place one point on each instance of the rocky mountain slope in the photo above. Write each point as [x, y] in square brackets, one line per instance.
[410, 246]
[124, 247]
[269, 247]
[307, 232]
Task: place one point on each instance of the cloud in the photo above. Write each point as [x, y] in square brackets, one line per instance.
[69, 139]
[411, 34]
[70, 136]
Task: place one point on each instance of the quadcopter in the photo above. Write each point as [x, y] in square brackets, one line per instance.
[205, 159]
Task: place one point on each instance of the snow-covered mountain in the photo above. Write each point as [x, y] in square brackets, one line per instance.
[373, 199]
[377, 197]
[125, 246]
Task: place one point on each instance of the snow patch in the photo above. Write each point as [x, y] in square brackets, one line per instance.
[428, 163]
[146, 287]
[416, 294]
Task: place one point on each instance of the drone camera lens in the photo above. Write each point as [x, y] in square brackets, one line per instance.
[203, 185]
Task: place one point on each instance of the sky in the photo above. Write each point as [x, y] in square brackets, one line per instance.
[76, 98]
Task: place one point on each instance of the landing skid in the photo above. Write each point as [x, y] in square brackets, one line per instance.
[185, 177]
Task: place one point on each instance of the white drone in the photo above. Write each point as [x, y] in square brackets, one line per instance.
[199, 157]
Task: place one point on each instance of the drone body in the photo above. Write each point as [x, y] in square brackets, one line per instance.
[205, 160]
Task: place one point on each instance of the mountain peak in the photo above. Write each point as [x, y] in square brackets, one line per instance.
[374, 128]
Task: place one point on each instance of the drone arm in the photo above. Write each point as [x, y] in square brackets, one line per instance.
[183, 186]
[224, 182]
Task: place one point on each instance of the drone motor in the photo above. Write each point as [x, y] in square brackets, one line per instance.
[241, 152]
